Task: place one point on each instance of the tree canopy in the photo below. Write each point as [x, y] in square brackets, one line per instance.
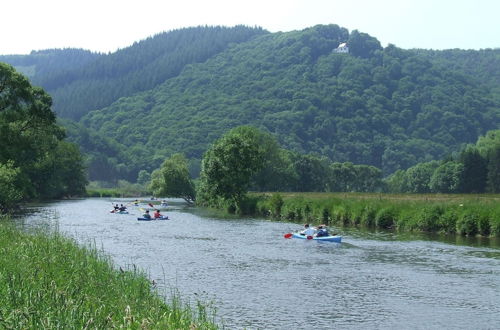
[172, 179]
[35, 162]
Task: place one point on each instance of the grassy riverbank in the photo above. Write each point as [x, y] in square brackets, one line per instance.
[48, 282]
[460, 214]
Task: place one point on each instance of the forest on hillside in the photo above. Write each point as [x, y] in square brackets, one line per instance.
[384, 107]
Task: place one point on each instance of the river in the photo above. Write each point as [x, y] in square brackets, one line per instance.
[257, 279]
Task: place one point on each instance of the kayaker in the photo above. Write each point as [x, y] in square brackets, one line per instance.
[146, 215]
[122, 208]
[322, 231]
[157, 214]
[116, 207]
[308, 230]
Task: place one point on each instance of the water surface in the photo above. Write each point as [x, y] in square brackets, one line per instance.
[256, 279]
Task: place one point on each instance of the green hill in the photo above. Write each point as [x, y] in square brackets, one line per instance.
[390, 108]
[98, 80]
[386, 107]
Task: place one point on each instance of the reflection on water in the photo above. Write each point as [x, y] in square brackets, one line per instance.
[259, 280]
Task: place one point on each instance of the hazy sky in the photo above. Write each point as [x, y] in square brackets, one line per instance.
[106, 25]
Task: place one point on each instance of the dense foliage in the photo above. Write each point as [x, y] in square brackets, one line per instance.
[35, 161]
[388, 108]
[172, 179]
[247, 158]
[384, 107]
[476, 169]
[139, 67]
[229, 164]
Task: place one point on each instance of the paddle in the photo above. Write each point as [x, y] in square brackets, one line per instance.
[288, 235]
[151, 205]
[309, 237]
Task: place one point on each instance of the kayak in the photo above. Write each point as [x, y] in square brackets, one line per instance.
[151, 219]
[119, 212]
[336, 238]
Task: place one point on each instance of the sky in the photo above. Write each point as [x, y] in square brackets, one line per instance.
[107, 25]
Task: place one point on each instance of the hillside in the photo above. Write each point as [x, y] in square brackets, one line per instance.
[390, 108]
[181, 90]
[96, 82]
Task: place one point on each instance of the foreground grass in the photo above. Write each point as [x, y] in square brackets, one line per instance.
[48, 282]
[456, 214]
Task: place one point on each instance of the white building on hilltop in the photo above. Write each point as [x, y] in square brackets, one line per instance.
[342, 48]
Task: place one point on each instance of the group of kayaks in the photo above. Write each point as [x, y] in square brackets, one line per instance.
[151, 218]
[297, 235]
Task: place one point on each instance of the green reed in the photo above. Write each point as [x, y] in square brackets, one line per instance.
[461, 214]
[48, 282]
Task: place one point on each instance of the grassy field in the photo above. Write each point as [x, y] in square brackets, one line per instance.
[48, 282]
[458, 214]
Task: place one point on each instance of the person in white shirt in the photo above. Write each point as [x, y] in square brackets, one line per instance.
[308, 230]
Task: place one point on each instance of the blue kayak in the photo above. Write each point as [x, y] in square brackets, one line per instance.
[119, 212]
[151, 219]
[336, 238]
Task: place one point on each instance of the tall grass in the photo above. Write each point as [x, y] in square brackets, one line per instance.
[460, 214]
[48, 282]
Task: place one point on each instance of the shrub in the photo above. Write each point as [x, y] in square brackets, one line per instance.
[385, 218]
[429, 218]
[467, 224]
[447, 222]
[276, 204]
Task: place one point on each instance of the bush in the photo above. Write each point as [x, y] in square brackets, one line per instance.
[385, 218]
[276, 204]
[429, 218]
[467, 224]
[447, 222]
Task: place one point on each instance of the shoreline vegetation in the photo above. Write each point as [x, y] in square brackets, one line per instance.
[48, 281]
[468, 215]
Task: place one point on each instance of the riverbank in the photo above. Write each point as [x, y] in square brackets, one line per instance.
[452, 214]
[47, 281]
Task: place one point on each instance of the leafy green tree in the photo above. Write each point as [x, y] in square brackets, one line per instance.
[397, 182]
[229, 164]
[493, 176]
[277, 172]
[342, 175]
[418, 177]
[143, 177]
[172, 179]
[32, 142]
[9, 193]
[475, 170]
[312, 173]
[447, 178]
[62, 174]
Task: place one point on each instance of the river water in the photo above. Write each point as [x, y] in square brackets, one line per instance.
[256, 279]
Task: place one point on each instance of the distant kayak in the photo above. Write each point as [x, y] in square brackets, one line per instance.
[118, 212]
[151, 219]
[336, 238]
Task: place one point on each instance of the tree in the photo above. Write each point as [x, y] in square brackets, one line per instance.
[32, 146]
[172, 179]
[229, 164]
[419, 176]
[9, 194]
[475, 171]
[447, 178]
[493, 176]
